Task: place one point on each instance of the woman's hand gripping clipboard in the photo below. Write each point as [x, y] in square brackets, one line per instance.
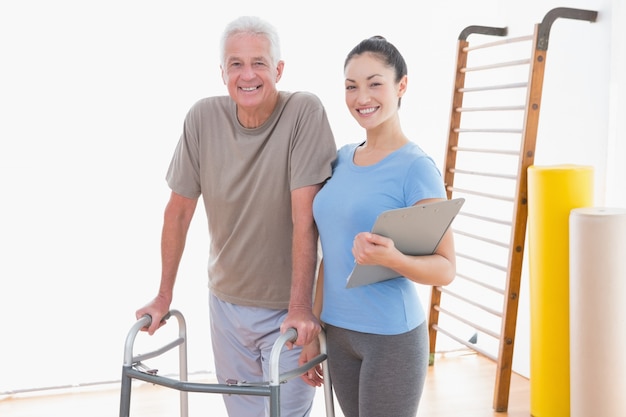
[415, 230]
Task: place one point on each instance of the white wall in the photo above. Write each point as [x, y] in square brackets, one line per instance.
[92, 97]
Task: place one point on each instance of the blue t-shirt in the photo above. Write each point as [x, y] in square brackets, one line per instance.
[348, 204]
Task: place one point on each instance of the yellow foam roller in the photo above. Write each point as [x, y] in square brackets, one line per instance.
[553, 191]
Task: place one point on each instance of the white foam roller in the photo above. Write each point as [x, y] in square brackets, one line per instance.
[598, 312]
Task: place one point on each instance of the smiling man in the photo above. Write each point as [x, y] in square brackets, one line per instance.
[257, 157]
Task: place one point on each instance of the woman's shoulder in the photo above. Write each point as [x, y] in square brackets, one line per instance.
[348, 149]
[413, 148]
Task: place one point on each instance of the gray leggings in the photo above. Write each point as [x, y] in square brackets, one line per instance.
[378, 375]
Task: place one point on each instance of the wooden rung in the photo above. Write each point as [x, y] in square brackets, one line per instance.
[464, 130]
[490, 108]
[480, 283]
[484, 150]
[483, 174]
[498, 43]
[470, 302]
[464, 342]
[481, 261]
[514, 63]
[481, 238]
[493, 87]
[481, 194]
[470, 323]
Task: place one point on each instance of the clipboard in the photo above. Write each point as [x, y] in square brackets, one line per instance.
[415, 230]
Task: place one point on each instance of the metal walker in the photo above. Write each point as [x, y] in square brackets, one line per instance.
[133, 368]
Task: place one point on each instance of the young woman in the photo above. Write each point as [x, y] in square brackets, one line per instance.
[377, 334]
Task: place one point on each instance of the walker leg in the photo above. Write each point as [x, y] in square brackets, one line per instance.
[274, 400]
[125, 394]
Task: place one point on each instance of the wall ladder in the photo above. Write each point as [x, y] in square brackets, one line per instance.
[492, 136]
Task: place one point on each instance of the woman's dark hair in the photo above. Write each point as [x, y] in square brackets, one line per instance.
[383, 49]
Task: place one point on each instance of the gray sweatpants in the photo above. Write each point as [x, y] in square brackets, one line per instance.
[378, 375]
[242, 339]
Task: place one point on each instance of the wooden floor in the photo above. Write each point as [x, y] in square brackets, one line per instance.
[458, 384]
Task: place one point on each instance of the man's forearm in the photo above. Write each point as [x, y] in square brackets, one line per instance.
[304, 265]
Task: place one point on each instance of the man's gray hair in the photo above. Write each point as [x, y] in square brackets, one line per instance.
[252, 25]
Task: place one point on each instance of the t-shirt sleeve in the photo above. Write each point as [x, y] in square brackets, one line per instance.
[423, 181]
[313, 147]
[183, 174]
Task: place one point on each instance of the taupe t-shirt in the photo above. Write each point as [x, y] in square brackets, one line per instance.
[245, 177]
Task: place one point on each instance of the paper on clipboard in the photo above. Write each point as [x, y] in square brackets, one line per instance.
[415, 230]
